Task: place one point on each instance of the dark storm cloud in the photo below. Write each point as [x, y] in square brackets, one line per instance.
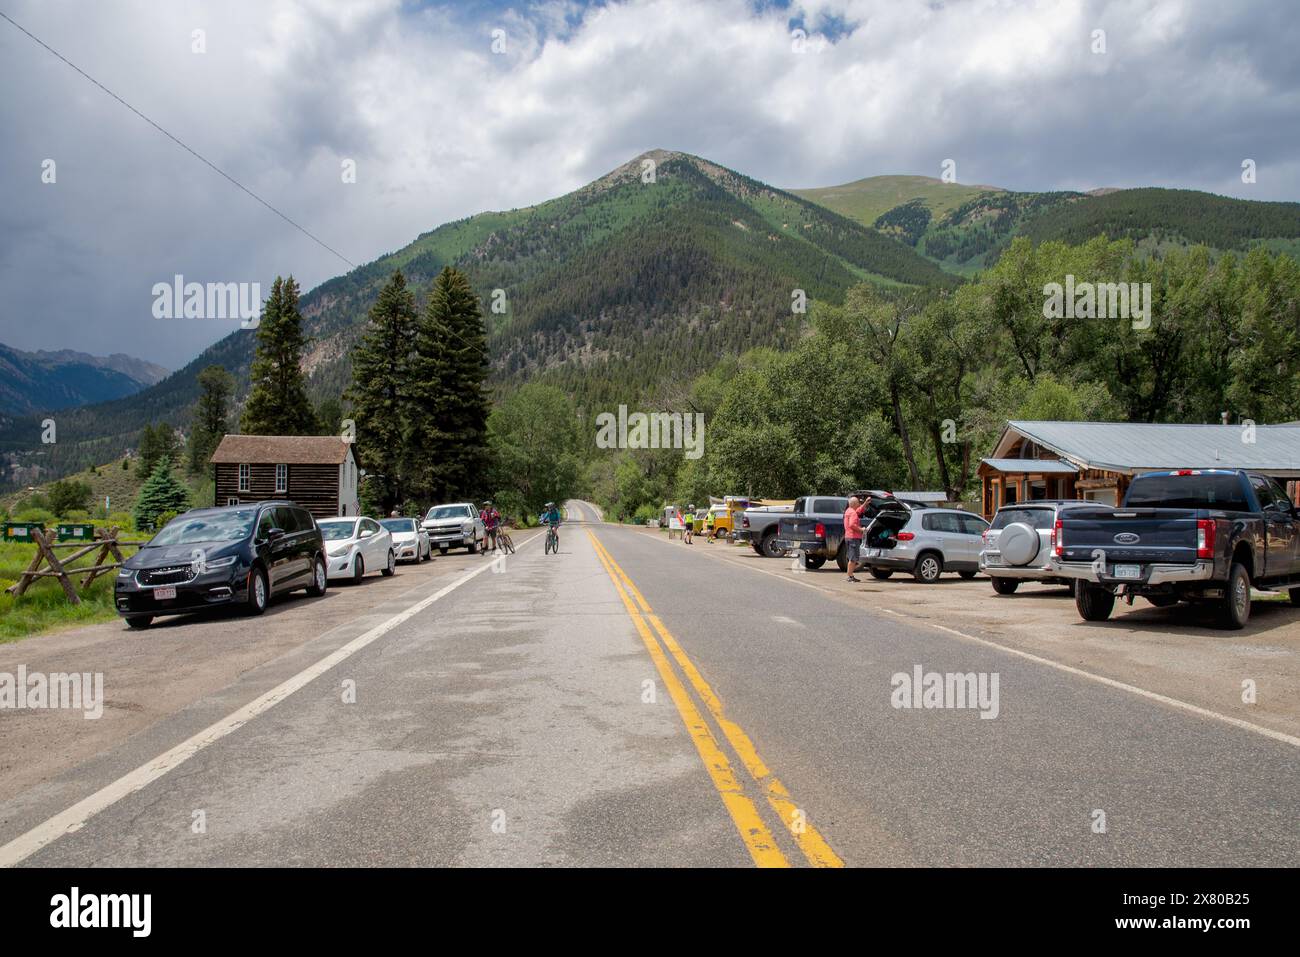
[441, 127]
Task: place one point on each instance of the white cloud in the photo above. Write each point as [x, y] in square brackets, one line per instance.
[440, 127]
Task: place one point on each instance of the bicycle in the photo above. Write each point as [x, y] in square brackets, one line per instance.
[504, 541]
[552, 540]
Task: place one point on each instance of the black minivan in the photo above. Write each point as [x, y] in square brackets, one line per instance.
[237, 555]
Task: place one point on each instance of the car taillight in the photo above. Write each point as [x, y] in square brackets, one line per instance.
[1058, 539]
[905, 536]
[820, 530]
[1205, 538]
[744, 521]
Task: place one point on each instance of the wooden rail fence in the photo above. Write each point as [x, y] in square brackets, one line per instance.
[108, 544]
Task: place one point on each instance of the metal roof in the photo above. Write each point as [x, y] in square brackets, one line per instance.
[1131, 447]
[1045, 466]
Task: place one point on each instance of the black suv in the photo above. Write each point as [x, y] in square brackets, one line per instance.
[237, 555]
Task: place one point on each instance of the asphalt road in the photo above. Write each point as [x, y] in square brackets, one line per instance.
[634, 702]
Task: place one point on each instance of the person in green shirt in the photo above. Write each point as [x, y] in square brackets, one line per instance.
[688, 524]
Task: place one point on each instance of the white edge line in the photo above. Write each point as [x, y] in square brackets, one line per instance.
[76, 817]
[1059, 666]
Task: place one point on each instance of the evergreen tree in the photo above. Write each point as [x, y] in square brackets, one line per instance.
[381, 370]
[449, 408]
[212, 417]
[160, 494]
[157, 442]
[277, 402]
[329, 416]
[67, 495]
[430, 450]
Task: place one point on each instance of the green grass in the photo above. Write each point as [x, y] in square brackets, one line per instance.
[44, 607]
[120, 485]
[867, 199]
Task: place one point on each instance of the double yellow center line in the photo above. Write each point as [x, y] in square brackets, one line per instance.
[744, 813]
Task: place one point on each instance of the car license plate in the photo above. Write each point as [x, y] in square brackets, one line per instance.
[1128, 571]
[875, 552]
[162, 594]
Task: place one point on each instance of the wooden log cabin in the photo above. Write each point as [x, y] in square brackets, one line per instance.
[318, 472]
[1096, 461]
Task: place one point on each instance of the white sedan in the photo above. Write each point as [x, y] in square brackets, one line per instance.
[410, 540]
[354, 546]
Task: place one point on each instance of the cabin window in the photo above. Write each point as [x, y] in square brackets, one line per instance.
[232, 501]
[282, 478]
[245, 476]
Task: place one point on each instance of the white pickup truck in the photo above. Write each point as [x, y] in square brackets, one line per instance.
[455, 526]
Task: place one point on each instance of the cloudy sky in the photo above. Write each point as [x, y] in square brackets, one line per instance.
[440, 125]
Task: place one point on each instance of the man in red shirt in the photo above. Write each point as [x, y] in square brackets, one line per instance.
[853, 534]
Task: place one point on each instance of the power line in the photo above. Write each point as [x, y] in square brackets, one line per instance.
[193, 152]
[205, 160]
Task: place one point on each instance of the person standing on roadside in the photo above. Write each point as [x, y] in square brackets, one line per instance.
[688, 524]
[491, 520]
[853, 534]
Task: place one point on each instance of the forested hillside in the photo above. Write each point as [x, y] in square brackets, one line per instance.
[648, 286]
[614, 292]
[965, 228]
[37, 381]
[910, 392]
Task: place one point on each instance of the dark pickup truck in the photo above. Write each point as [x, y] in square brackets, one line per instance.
[758, 526]
[816, 528]
[1195, 535]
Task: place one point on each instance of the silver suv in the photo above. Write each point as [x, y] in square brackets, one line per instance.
[1018, 545]
[925, 541]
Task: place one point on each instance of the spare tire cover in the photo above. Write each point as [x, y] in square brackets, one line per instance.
[1018, 543]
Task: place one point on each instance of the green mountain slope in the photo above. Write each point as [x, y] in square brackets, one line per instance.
[866, 200]
[965, 228]
[614, 291]
[1179, 214]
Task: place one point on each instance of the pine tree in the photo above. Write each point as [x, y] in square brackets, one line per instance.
[277, 402]
[329, 416]
[469, 401]
[212, 416]
[430, 451]
[159, 495]
[449, 409]
[157, 442]
[381, 373]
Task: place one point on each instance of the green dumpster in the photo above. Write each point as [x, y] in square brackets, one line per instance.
[76, 532]
[22, 531]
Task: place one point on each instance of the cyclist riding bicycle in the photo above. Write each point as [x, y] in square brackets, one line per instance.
[551, 516]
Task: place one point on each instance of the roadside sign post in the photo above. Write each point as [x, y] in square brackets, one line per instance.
[22, 531]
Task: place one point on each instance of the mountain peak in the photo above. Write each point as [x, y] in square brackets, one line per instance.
[635, 168]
